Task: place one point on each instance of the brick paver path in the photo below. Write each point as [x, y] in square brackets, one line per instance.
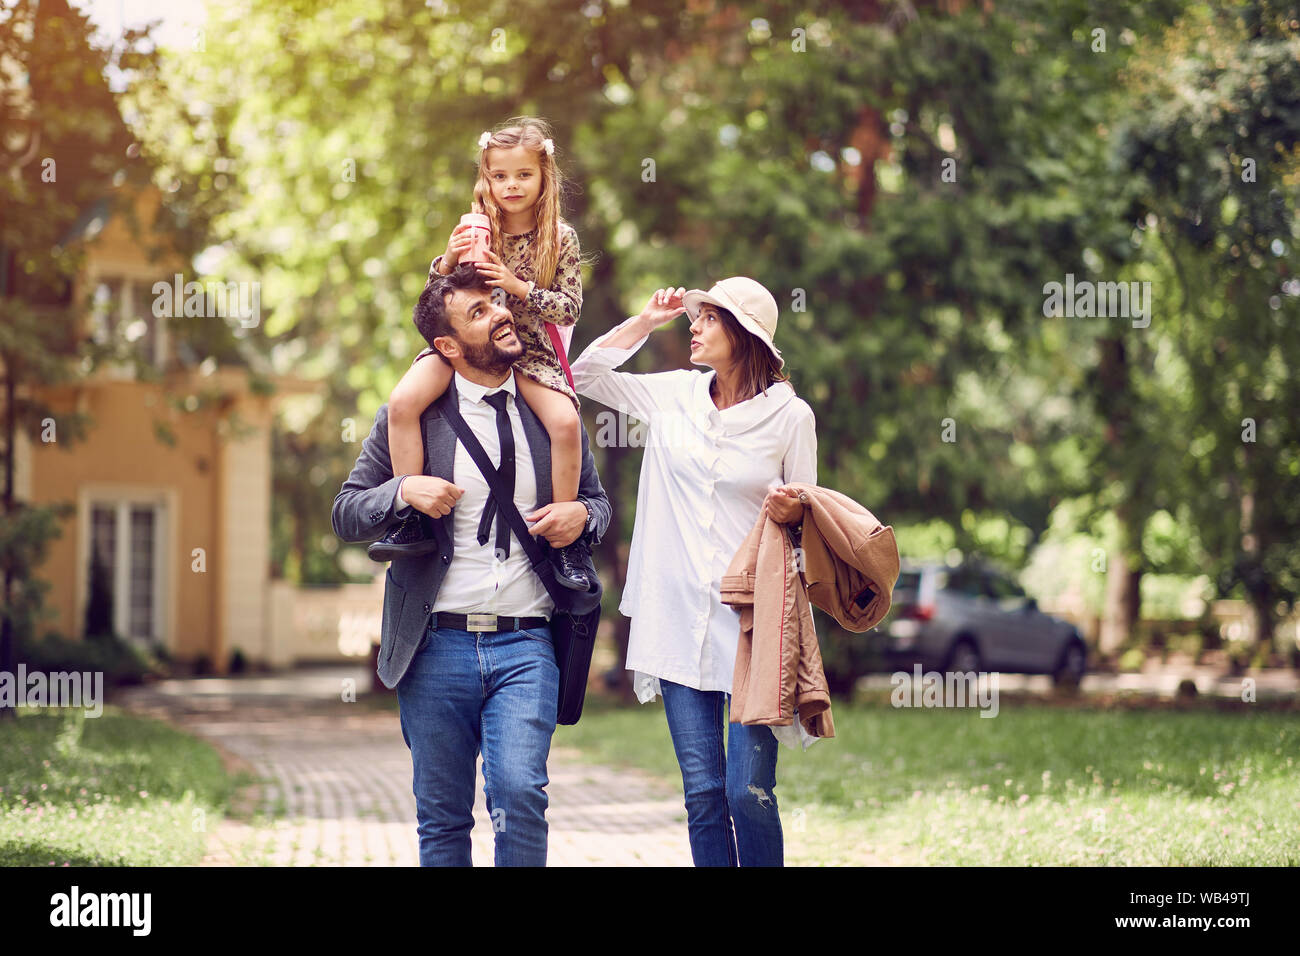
[336, 783]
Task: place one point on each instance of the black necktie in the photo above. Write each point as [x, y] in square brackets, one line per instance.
[506, 468]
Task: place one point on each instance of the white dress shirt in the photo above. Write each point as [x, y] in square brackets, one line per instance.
[476, 582]
[704, 476]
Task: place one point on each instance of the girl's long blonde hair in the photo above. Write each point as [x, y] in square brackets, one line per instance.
[529, 132]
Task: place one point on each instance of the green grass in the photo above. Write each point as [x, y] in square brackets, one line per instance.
[1036, 785]
[116, 790]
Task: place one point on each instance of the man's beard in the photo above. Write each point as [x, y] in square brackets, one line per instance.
[490, 357]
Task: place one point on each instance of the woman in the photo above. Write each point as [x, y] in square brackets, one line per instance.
[721, 446]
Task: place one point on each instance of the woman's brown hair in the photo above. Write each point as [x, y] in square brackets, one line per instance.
[759, 368]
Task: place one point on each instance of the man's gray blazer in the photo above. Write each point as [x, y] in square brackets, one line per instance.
[363, 511]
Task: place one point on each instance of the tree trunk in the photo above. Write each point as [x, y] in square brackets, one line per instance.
[1260, 614]
[1123, 605]
[1259, 593]
[8, 653]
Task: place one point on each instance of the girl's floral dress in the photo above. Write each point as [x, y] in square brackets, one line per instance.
[559, 304]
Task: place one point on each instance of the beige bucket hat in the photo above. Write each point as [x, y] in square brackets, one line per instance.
[751, 304]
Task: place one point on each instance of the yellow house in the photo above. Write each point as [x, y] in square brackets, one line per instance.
[172, 482]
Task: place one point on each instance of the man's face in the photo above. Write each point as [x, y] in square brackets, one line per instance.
[484, 331]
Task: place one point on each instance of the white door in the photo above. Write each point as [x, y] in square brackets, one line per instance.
[125, 566]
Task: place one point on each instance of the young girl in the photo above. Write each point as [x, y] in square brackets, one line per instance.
[534, 260]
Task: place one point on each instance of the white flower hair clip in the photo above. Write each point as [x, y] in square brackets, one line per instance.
[549, 146]
[484, 139]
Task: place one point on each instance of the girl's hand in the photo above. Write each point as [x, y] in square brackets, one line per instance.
[434, 496]
[457, 245]
[560, 522]
[498, 274]
[664, 306]
[783, 506]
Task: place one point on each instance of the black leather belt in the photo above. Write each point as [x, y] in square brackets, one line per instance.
[485, 622]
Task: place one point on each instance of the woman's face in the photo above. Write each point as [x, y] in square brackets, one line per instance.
[709, 343]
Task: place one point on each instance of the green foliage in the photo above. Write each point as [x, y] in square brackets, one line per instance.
[1147, 787]
[905, 184]
[1072, 557]
[25, 534]
[345, 136]
[65, 151]
[927, 541]
[113, 791]
[1213, 140]
[120, 661]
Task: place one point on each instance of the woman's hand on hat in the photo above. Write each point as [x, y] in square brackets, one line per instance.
[664, 306]
[783, 506]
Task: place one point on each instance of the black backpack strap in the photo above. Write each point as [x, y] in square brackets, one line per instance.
[505, 502]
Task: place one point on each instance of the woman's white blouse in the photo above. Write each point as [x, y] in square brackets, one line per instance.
[704, 476]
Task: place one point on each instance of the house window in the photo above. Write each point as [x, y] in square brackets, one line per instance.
[142, 617]
[122, 313]
[124, 575]
[106, 310]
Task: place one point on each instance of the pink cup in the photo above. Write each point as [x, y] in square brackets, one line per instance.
[480, 237]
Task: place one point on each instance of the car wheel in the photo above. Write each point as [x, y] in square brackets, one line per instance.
[963, 658]
[1070, 669]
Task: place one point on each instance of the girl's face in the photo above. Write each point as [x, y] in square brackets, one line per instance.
[515, 178]
[709, 343]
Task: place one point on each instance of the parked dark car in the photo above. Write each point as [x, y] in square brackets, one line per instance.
[976, 618]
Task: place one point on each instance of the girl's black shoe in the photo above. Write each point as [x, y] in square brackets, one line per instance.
[572, 564]
[408, 538]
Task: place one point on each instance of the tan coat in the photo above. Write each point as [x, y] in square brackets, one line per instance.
[849, 564]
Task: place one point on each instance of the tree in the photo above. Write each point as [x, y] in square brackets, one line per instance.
[905, 179]
[68, 161]
[909, 185]
[1213, 144]
[64, 144]
[338, 141]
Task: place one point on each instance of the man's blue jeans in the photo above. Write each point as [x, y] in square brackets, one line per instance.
[720, 788]
[468, 691]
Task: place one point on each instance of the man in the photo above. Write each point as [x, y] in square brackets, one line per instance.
[465, 637]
